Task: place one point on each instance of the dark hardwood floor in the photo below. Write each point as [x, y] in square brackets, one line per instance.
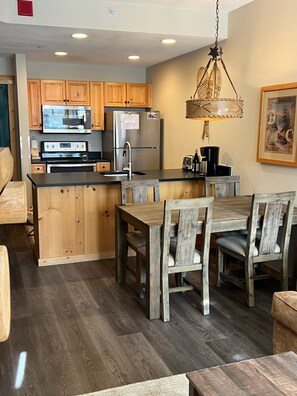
[75, 330]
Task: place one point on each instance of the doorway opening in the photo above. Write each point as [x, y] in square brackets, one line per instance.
[8, 133]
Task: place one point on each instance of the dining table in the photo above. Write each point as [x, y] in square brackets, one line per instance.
[229, 214]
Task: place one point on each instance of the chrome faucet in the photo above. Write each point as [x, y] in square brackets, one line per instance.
[128, 168]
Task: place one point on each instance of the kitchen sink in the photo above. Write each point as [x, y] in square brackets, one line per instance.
[121, 174]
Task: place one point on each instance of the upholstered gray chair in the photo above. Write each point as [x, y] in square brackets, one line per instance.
[264, 241]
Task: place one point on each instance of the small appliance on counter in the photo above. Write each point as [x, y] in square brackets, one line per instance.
[188, 162]
[209, 160]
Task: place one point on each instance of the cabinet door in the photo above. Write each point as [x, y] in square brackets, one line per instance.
[38, 168]
[53, 92]
[103, 166]
[78, 93]
[97, 103]
[115, 94]
[34, 105]
[137, 95]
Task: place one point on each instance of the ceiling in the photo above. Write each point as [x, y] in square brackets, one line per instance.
[38, 39]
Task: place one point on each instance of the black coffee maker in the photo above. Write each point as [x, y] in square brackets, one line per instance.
[210, 154]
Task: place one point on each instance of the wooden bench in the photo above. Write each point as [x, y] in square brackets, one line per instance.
[5, 312]
[13, 194]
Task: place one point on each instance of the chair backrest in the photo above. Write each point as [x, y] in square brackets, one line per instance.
[273, 210]
[187, 212]
[222, 186]
[140, 190]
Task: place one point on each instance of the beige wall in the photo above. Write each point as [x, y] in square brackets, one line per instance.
[260, 51]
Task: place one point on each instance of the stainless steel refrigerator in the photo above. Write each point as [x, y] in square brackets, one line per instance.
[142, 130]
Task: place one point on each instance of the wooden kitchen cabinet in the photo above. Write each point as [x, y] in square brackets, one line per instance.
[127, 94]
[60, 92]
[103, 166]
[80, 224]
[34, 104]
[97, 104]
[115, 94]
[137, 95]
[38, 168]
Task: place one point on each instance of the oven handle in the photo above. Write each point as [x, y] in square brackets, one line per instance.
[48, 166]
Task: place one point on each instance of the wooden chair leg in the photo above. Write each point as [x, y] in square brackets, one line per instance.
[165, 298]
[179, 278]
[220, 265]
[249, 273]
[284, 274]
[140, 276]
[205, 291]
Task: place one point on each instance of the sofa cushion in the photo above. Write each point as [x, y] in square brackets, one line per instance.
[284, 308]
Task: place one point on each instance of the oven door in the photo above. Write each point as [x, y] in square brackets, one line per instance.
[77, 167]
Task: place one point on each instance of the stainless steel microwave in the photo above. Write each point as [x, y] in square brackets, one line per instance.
[66, 119]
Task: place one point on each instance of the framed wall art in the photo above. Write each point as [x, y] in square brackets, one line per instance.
[277, 138]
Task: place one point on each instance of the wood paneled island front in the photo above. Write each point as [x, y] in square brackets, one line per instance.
[74, 213]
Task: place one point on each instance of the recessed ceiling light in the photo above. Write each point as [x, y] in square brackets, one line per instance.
[61, 53]
[79, 35]
[168, 41]
[133, 57]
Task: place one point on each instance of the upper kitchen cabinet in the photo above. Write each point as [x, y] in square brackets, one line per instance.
[97, 104]
[127, 94]
[34, 105]
[65, 92]
[138, 95]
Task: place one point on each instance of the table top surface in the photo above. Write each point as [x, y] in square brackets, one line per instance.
[269, 375]
[228, 213]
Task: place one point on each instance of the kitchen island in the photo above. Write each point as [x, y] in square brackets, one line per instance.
[74, 213]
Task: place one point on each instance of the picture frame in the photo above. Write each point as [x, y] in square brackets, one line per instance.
[277, 139]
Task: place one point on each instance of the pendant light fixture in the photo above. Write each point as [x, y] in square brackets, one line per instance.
[206, 103]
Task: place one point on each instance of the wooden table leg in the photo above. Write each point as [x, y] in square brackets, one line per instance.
[192, 391]
[153, 270]
[121, 229]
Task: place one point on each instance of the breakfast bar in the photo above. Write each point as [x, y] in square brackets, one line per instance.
[74, 213]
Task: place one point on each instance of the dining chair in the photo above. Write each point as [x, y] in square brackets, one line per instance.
[222, 186]
[138, 191]
[264, 241]
[178, 253]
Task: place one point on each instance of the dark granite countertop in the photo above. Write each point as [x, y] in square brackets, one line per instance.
[92, 178]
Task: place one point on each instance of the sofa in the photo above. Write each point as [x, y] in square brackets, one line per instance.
[284, 311]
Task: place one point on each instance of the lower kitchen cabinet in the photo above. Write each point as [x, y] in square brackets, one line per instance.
[103, 166]
[38, 168]
[77, 223]
[74, 223]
